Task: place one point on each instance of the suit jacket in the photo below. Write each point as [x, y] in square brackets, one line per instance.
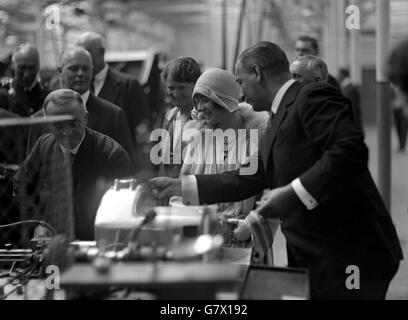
[23, 103]
[351, 92]
[109, 119]
[16, 102]
[333, 81]
[316, 137]
[69, 194]
[128, 94]
[103, 117]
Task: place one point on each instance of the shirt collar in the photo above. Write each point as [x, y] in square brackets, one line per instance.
[85, 97]
[279, 96]
[73, 150]
[101, 75]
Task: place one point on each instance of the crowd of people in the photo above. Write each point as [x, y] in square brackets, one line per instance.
[305, 169]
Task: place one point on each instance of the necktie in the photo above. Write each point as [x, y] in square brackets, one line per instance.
[69, 157]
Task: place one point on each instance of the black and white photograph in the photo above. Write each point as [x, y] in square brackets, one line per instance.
[197, 156]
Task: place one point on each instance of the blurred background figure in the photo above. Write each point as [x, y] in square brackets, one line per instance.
[308, 69]
[24, 94]
[21, 96]
[179, 77]
[398, 75]
[350, 91]
[306, 45]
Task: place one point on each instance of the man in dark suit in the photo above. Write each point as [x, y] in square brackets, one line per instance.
[350, 91]
[114, 86]
[76, 74]
[306, 45]
[314, 159]
[70, 168]
[23, 94]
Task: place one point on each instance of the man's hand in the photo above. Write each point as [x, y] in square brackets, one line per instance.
[281, 202]
[242, 231]
[164, 188]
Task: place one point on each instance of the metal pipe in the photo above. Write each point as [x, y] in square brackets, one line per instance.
[239, 31]
[355, 62]
[383, 101]
[224, 33]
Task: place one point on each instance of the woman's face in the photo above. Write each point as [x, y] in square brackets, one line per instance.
[211, 115]
[180, 93]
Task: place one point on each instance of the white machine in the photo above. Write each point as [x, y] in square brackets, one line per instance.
[127, 213]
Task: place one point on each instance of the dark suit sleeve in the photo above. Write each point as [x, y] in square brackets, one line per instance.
[7, 114]
[4, 103]
[329, 124]
[120, 164]
[28, 174]
[121, 133]
[354, 97]
[138, 106]
[5, 106]
[333, 81]
[231, 186]
[36, 131]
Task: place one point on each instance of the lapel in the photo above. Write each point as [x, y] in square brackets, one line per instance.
[276, 120]
[93, 110]
[109, 91]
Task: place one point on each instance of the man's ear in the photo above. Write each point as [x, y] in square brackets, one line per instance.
[258, 73]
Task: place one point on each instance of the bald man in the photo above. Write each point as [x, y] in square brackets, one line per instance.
[24, 94]
[306, 45]
[66, 167]
[114, 86]
[307, 69]
[76, 73]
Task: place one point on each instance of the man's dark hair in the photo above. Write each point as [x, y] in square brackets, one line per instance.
[267, 55]
[184, 69]
[311, 40]
[398, 66]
